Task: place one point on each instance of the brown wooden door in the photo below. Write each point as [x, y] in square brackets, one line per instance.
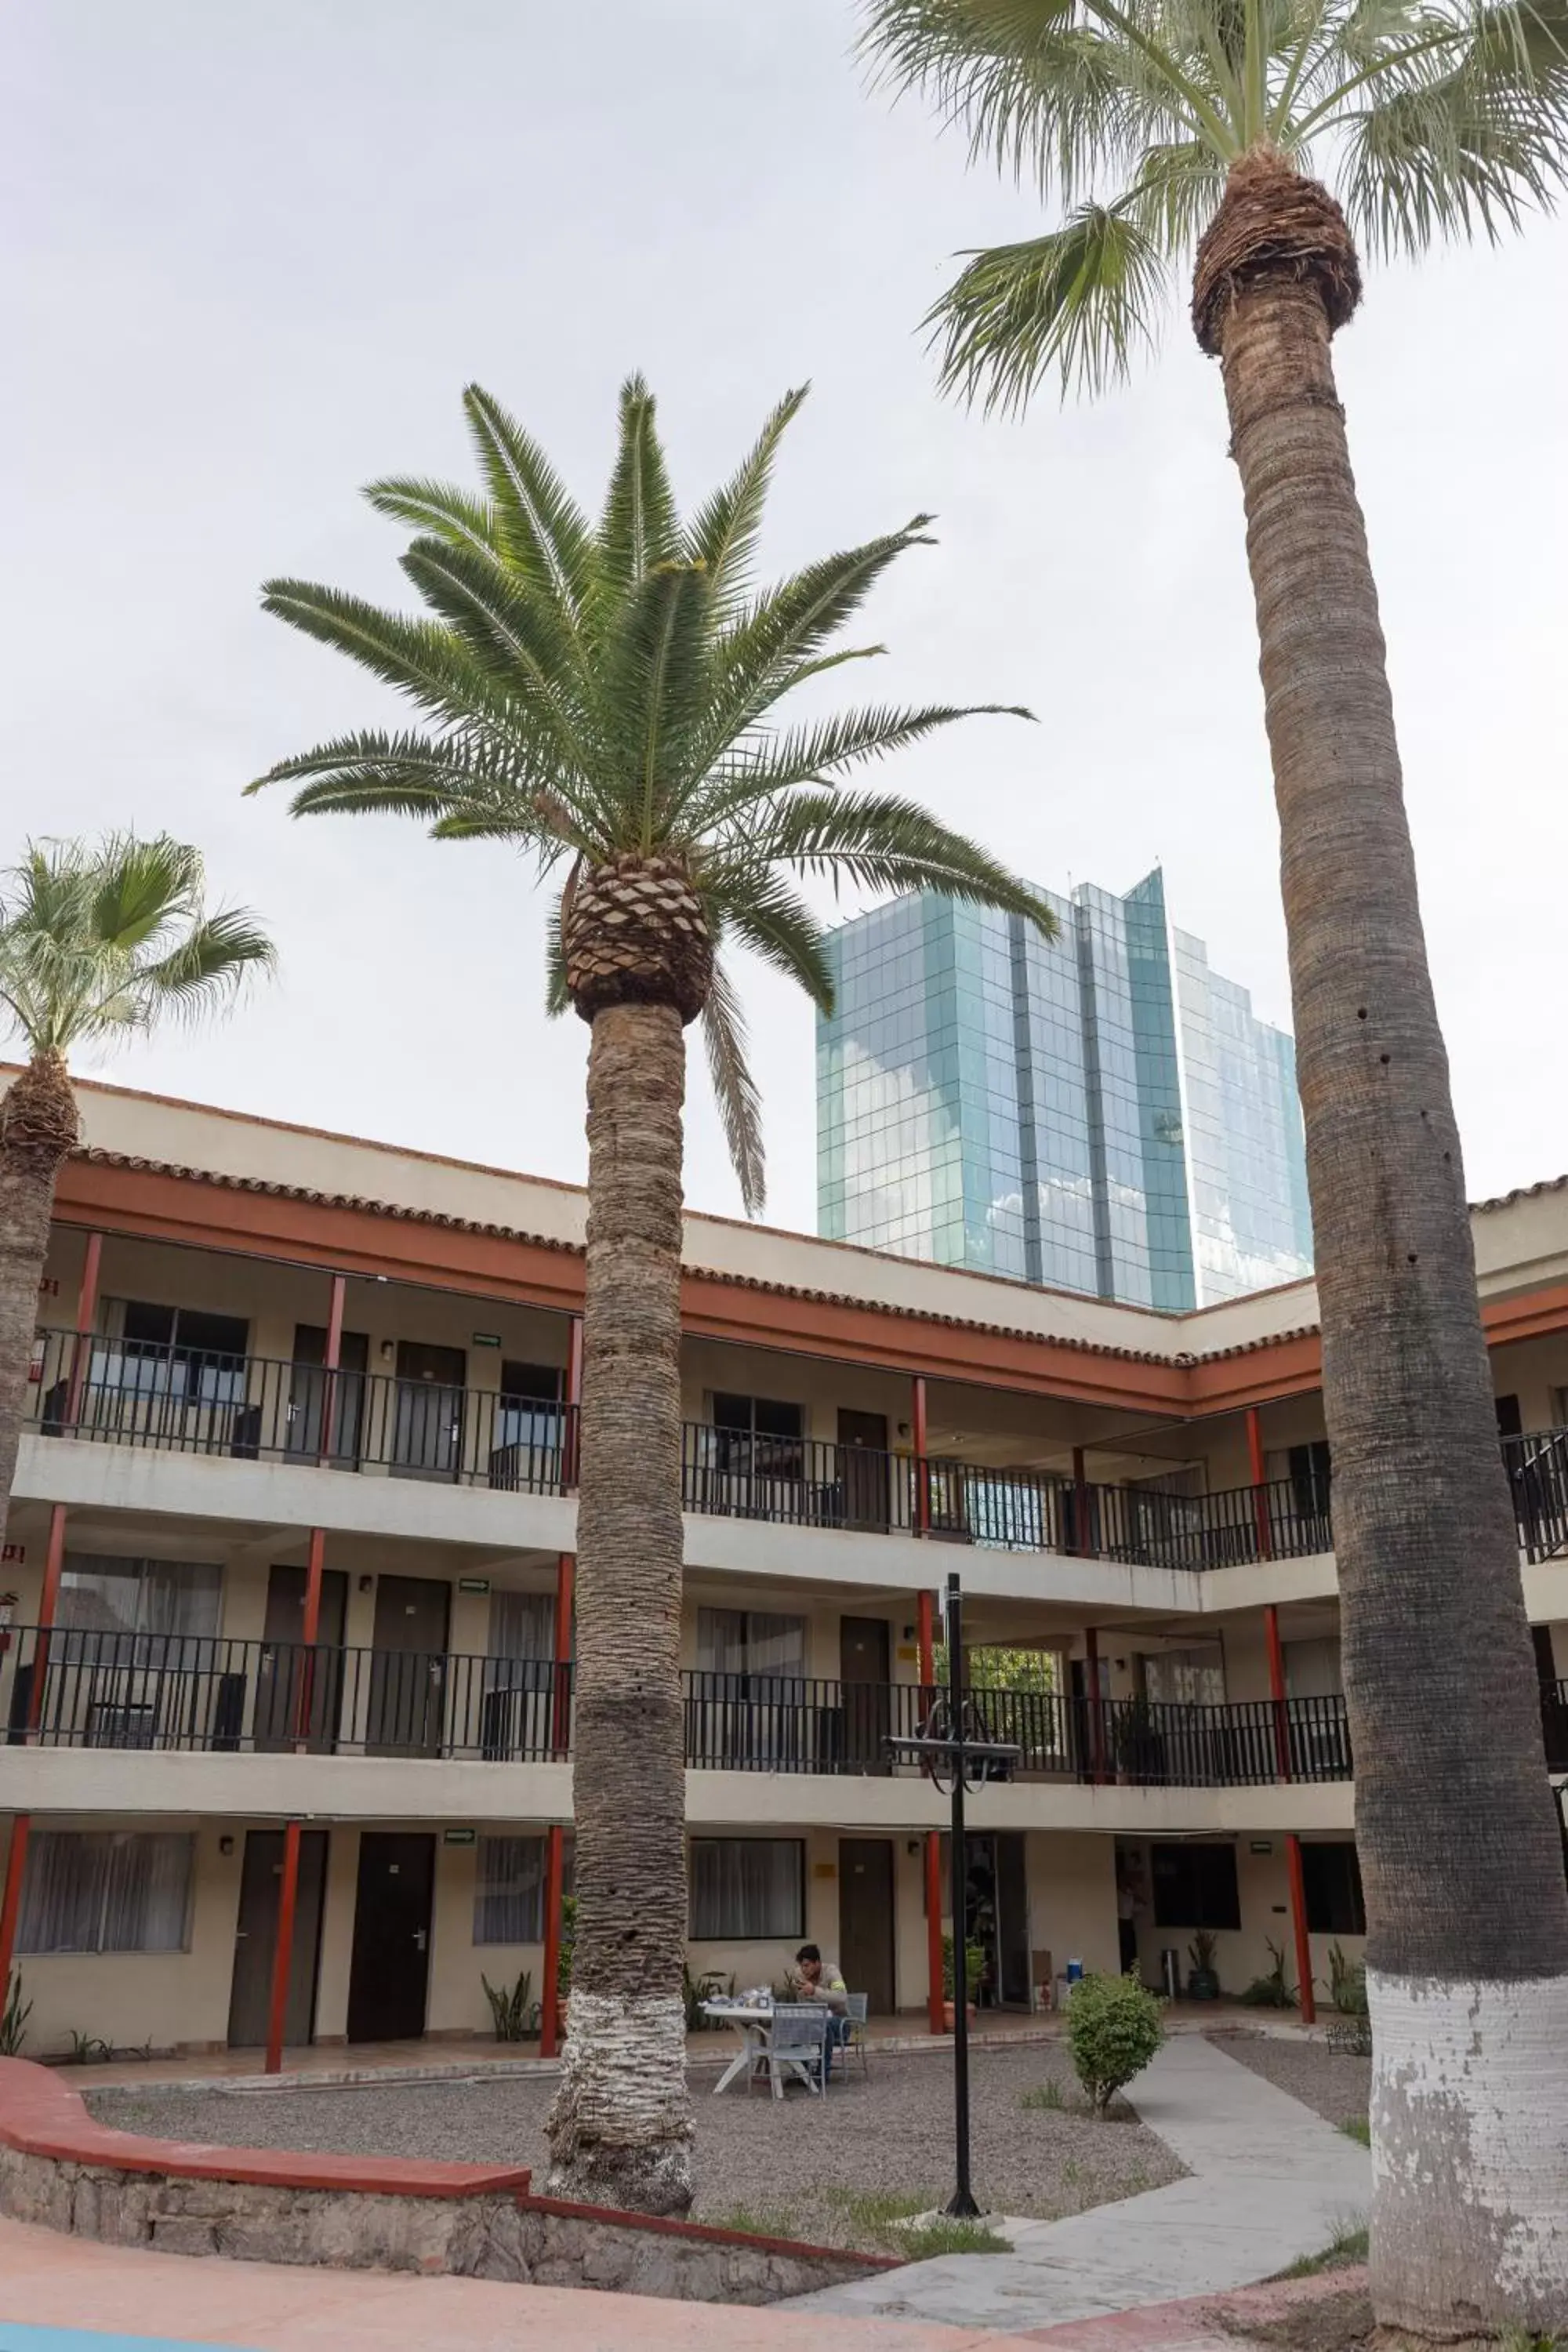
[389, 1972]
[283, 1711]
[309, 1382]
[428, 1427]
[866, 1919]
[864, 1674]
[408, 1670]
[256, 1939]
[863, 1467]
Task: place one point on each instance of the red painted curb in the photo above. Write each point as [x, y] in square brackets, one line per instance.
[673, 2229]
[41, 2116]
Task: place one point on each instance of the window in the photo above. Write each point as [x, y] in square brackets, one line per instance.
[747, 1890]
[1193, 1677]
[508, 1891]
[749, 1643]
[104, 1892]
[1312, 1668]
[1332, 1877]
[137, 1612]
[175, 1351]
[1195, 1887]
[760, 1435]
[528, 1412]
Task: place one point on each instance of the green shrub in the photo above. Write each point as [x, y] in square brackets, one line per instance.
[1114, 2027]
[1347, 1983]
[974, 1968]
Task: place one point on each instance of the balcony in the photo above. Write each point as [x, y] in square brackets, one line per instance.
[255, 1409]
[174, 1693]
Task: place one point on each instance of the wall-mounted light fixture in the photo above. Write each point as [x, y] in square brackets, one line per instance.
[225, 1845]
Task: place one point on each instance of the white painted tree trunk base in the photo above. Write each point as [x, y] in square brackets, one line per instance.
[620, 2123]
[1469, 2153]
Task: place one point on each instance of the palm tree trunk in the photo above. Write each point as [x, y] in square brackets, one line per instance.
[1467, 1910]
[38, 1129]
[620, 2128]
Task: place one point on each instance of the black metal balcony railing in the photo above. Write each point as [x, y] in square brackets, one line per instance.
[189, 1400]
[72, 1687]
[192, 1400]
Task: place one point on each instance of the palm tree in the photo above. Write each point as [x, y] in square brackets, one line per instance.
[603, 696]
[98, 940]
[1158, 126]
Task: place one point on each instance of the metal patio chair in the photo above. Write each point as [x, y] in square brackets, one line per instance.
[858, 2005]
[797, 2044]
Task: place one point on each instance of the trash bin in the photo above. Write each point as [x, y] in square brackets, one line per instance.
[1075, 1973]
[1171, 1970]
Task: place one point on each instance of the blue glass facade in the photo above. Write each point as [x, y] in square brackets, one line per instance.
[1102, 1113]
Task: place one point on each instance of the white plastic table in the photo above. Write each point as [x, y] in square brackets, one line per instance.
[753, 2024]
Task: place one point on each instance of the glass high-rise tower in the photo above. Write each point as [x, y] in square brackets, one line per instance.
[1103, 1113]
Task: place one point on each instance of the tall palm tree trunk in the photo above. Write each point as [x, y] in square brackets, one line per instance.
[620, 2128]
[1467, 1910]
[37, 1130]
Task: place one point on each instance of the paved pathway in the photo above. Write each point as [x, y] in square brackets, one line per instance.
[57, 2292]
[1270, 2182]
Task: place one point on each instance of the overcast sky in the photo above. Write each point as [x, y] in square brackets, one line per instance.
[253, 251]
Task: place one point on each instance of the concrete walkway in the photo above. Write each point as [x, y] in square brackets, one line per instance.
[1270, 2181]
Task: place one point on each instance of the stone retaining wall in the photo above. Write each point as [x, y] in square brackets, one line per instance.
[61, 2169]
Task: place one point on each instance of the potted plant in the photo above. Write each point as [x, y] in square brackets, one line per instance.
[1203, 1977]
[973, 1969]
[1139, 1750]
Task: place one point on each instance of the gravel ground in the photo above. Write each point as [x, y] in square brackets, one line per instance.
[1333, 2084]
[832, 2175]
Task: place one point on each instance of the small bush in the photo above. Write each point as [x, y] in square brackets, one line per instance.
[1114, 2027]
[1347, 1983]
[1046, 2094]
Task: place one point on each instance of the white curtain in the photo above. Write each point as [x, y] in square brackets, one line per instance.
[747, 1889]
[1193, 1677]
[164, 1602]
[751, 1642]
[522, 1625]
[101, 1892]
[508, 1891]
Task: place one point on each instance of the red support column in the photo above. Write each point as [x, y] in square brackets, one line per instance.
[1080, 1542]
[922, 1473]
[283, 1951]
[1096, 1710]
[555, 1873]
[1293, 1871]
[925, 1626]
[86, 1315]
[561, 1692]
[1264, 1532]
[11, 1899]
[571, 1445]
[49, 1600]
[304, 1708]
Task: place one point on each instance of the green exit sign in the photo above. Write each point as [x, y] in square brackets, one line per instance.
[473, 1584]
[459, 1837]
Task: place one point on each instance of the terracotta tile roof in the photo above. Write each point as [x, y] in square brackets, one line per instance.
[1521, 1193]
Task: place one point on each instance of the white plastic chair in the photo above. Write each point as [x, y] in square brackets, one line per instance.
[798, 2045]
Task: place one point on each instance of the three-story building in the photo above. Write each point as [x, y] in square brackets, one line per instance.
[291, 1543]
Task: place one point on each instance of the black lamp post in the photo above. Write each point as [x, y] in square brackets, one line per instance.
[952, 1750]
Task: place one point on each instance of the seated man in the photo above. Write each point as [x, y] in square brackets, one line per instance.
[815, 1978]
